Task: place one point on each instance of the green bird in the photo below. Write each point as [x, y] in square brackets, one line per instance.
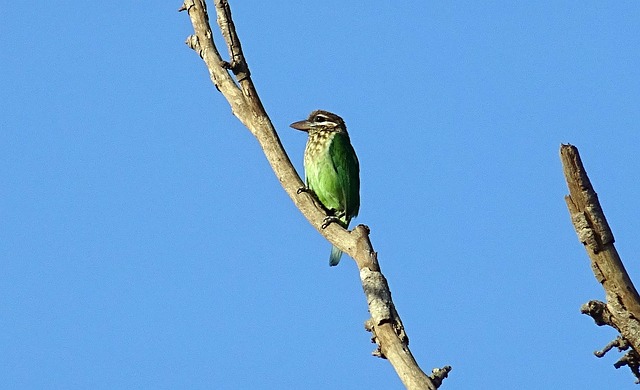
[331, 169]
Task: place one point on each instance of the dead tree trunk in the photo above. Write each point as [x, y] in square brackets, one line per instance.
[622, 309]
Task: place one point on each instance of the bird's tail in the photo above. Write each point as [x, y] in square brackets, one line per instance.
[336, 254]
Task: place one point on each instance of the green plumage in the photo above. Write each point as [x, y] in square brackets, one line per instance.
[331, 168]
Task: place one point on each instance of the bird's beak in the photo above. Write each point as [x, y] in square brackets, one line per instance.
[301, 125]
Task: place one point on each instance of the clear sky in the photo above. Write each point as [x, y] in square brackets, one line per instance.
[145, 242]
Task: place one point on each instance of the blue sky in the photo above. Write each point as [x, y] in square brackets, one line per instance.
[145, 242]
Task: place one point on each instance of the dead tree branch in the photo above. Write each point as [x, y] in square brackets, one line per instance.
[239, 90]
[622, 309]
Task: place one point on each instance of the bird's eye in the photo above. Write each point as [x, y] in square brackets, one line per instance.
[318, 118]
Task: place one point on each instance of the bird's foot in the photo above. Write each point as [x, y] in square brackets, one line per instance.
[303, 189]
[328, 220]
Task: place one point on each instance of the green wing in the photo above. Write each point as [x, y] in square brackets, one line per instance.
[347, 168]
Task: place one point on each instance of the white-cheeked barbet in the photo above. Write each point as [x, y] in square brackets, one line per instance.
[331, 168]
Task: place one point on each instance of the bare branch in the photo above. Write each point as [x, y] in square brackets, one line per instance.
[239, 90]
[622, 310]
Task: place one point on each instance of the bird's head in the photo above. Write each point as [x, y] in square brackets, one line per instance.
[320, 120]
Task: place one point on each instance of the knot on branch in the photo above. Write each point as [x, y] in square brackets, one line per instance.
[185, 6]
[600, 313]
[632, 360]
[369, 326]
[439, 374]
[239, 69]
[194, 44]
[619, 342]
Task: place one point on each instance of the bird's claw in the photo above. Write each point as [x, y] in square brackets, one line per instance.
[302, 189]
[328, 220]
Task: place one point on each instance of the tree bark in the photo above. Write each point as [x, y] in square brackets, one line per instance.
[385, 324]
[622, 309]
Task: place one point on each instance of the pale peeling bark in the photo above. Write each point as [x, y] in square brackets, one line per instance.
[237, 87]
[622, 309]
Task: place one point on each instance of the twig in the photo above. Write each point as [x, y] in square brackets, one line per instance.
[239, 90]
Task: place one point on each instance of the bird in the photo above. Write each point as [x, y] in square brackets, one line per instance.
[332, 170]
